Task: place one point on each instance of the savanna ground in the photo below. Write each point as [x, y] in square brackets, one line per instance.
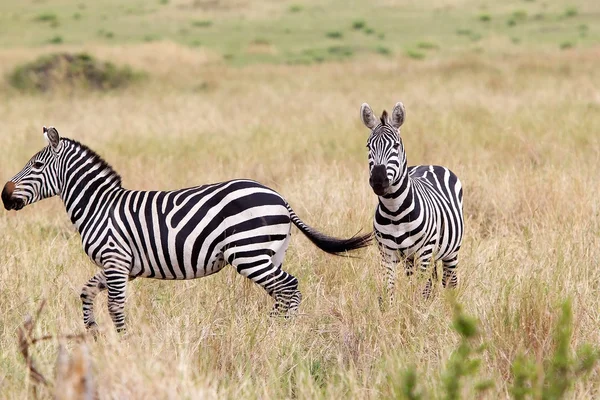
[506, 95]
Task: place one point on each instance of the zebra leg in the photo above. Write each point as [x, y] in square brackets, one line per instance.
[449, 277]
[423, 265]
[116, 282]
[388, 263]
[280, 285]
[88, 294]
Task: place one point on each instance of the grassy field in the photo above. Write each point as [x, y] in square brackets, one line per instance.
[251, 89]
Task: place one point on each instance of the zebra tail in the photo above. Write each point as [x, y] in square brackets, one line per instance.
[330, 244]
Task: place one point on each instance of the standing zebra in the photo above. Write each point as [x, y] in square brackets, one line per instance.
[181, 234]
[419, 218]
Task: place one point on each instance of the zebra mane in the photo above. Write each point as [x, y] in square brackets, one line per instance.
[384, 117]
[95, 157]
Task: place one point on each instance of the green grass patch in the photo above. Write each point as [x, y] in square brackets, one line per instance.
[427, 46]
[415, 54]
[485, 17]
[334, 35]
[369, 31]
[359, 24]
[56, 40]
[67, 71]
[463, 32]
[295, 8]
[570, 12]
[47, 17]
[202, 23]
[383, 50]
[519, 15]
[567, 45]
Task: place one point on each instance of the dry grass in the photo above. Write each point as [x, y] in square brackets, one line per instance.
[520, 131]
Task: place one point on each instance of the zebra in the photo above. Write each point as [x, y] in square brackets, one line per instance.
[180, 234]
[419, 217]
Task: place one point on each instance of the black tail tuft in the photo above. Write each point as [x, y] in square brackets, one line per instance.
[330, 244]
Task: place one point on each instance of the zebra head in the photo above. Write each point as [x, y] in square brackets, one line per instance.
[387, 160]
[38, 179]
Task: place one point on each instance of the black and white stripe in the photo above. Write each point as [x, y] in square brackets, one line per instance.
[419, 218]
[181, 234]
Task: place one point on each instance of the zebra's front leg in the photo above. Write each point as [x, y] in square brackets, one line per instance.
[388, 265]
[116, 282]
[424, 264]
[88, 294]
[449, 277]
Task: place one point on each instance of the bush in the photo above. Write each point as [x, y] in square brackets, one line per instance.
[485, 18]
[427, 46]
[417, 55]
[295, 8]
[571, 12]
[334, 34]
[64, 70]
[359, 24]
[202, 23]
[566, 45]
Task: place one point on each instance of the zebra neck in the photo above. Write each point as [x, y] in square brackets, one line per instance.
[401, 195]
[89, 185]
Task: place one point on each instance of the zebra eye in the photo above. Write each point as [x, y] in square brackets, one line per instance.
[396, 145]
[38, 164]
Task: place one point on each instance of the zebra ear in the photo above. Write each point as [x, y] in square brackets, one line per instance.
[398, 115]
[366, 114]
[52, 136]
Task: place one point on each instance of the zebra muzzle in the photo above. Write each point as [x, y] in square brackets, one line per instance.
[378, 180]
[11, 203]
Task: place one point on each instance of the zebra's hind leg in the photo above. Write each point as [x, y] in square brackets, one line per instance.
[116, 283]
[280, 285]
[449, 277]
[88, 294]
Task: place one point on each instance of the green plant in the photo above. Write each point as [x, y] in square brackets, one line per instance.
[566, 45]
[519, 15]
[47, 17]
[77, 16]
[56, 40]
[570, 12]
[464, 362]
[383, 50]
[358, 24]
[559, 370]
[202, 23]
[295, 8]
[334, 34]
[463, 32]
[485, 18]
[511, 22]
[427, 46]
[369, 31]
[66, 70]
[417, 55]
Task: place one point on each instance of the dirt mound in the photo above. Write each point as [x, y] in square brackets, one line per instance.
[67, 71]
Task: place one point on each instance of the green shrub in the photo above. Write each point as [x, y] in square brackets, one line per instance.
[567, 45]
[359, 24]
[47, 17]
[202, 23]
[334, 34]
[340, 51]
[561, 368]
[383, 50]
[56, 40]
[519, 15]
[64, 70]
[369, 31]
[417, 55]
[485, 18]
[427, 46]
[77, 16]
[295, 8]
[571, 12]
[511, 22]
[463, 32]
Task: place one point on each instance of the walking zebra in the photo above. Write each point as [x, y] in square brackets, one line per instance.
[419, 218]
[181, 234]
